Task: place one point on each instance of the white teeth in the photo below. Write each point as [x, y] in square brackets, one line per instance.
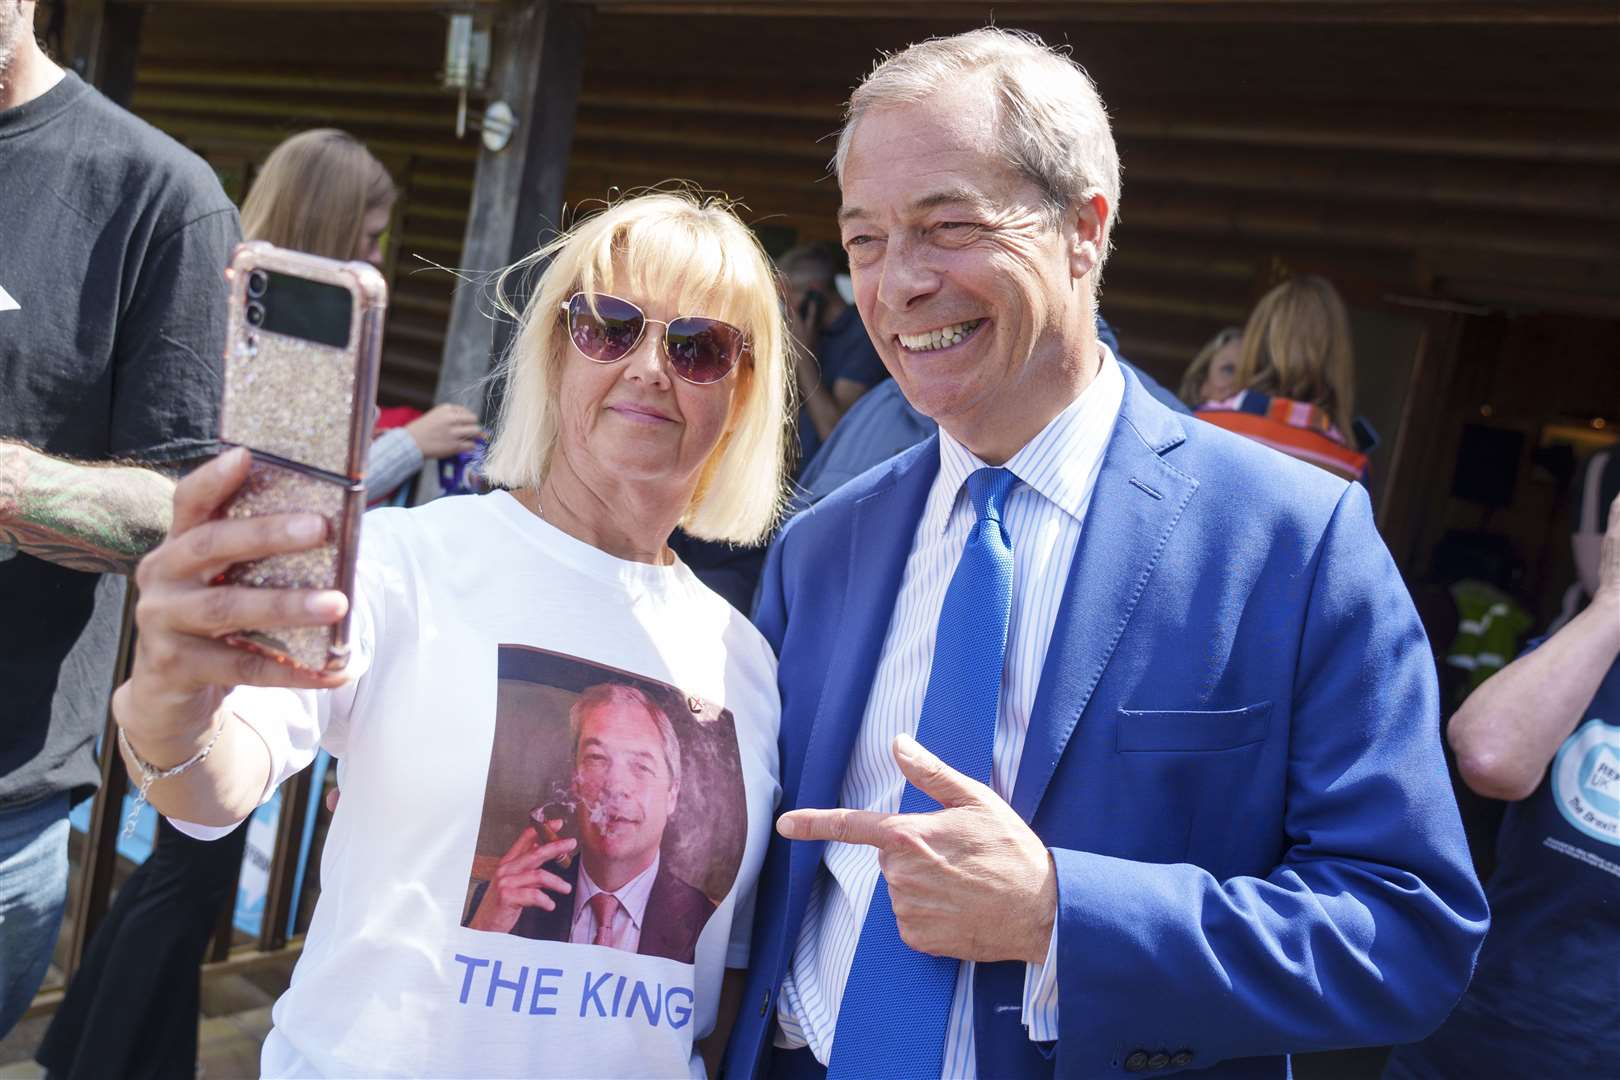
[938, 339]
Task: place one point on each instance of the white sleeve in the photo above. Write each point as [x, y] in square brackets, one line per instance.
[294, 723]
[1040, 1010]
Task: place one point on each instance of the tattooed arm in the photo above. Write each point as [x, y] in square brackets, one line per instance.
[95, 518]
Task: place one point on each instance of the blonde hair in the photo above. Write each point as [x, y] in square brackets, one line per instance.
[1193, 379]
[1050, 120]
[695, 252]
[313, 194]
[1297, 345]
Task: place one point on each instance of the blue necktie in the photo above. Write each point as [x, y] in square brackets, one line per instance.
[897, 1002]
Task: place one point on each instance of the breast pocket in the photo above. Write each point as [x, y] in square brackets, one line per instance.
[1146, 731]
[1191, 776]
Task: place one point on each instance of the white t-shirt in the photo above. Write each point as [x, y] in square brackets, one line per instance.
[477, 626]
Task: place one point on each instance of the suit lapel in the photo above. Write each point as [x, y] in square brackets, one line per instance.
[880, 536]
[1135, 506]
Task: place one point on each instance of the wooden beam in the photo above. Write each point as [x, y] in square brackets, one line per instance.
[106, 813]
[517, 192]
[100, 42]
[81, 37]
[1406, 181]
[377, 6]
[1376, 12]
[213, 80]
[257, 139]
[1257, 216]
[698, 118]
[1529, 187]
[278, 897]
[1360, 225]
[1595, 13]
[121, 48]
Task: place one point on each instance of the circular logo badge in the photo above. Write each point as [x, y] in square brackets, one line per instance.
[1586, 780]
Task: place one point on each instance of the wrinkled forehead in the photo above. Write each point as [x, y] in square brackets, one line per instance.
[897, 167]
[622, 724]
[959, 118]
[692, 269]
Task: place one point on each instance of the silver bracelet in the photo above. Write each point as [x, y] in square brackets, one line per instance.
[150, 774]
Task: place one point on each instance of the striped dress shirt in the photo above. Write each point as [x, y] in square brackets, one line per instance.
[1044, 515]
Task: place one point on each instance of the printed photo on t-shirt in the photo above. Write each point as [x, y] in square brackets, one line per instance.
[614, 809]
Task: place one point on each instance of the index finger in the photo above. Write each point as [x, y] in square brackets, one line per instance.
[844, 826]
[525, 838]
[550, 851]
[199, 496]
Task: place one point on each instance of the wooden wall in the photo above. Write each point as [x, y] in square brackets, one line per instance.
[1471, 161]
[231, 81]
[1435, 159]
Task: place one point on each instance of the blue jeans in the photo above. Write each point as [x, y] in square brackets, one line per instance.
[33, 892]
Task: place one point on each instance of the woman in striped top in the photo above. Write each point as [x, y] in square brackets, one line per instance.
[1298, 375]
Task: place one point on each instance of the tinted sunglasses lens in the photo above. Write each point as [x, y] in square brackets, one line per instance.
[703, 350]
[607, 333]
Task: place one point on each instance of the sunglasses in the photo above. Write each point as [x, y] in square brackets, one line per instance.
[606, 329]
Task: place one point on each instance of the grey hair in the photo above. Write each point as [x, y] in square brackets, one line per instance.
[594, 697]
[1050, 119]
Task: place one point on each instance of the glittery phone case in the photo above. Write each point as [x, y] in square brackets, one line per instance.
[304, 408]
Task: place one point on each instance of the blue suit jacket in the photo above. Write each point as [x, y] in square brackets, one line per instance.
[1233, 756]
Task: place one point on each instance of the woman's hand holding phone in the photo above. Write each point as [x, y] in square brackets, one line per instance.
[182, 669]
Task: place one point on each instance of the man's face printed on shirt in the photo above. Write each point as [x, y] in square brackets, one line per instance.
[626, 791]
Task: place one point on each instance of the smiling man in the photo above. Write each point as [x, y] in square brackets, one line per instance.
[626, 783]
[1109, 740]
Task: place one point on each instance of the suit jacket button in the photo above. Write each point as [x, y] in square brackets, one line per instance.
[1182, 1059]
[1159, 1060]
[1137, 1061]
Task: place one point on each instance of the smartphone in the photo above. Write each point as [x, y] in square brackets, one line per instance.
[811, 307]
[304, 338]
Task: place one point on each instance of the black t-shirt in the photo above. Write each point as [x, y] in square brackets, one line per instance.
[1545, 998]
[113, 244]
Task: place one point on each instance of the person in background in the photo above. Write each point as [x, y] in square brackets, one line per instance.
[348, 219]
[132, 1007]
[113, 238]
[842, 363]
[837, 368]
[1297, 378]
[1212, 375]
[1543, 734]
[1599, 486]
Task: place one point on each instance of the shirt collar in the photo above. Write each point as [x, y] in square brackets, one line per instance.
[1060, 463]
[633, 896]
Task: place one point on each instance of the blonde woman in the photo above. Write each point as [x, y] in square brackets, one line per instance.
[557, 747]
[1297, 378]
[1212, 375]
[323, 192]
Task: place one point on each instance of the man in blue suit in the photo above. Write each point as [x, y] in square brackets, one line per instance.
[1109, 740]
